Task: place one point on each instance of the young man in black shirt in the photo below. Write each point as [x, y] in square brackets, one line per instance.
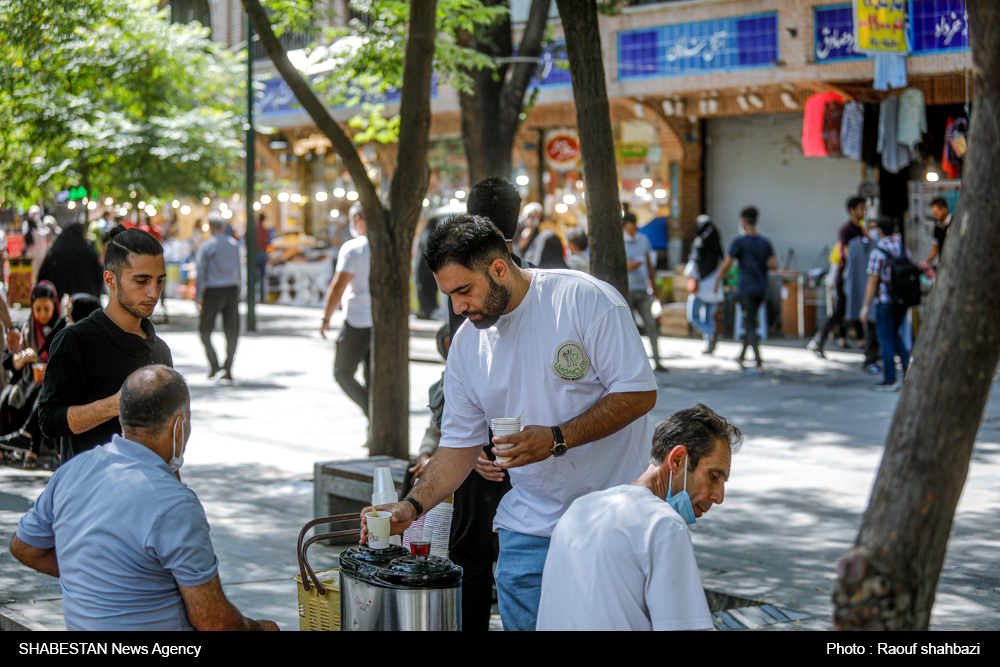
[89, 361]
[851, 230]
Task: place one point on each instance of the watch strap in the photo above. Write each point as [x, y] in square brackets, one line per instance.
[558, 436]
[416, 505]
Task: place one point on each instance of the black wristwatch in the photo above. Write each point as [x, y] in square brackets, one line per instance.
[417, 506]
[559, 447]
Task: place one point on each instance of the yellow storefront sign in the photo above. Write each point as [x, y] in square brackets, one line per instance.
[880, 26]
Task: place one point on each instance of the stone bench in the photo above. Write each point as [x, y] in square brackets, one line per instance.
[344, 487]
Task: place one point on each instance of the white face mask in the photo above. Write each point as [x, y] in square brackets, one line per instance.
[629, 237]
[177, 461]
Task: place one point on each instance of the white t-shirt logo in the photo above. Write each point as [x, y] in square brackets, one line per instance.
[571, 362]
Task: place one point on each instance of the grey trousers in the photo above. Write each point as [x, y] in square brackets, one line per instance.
[225, 300]
[642, 302]
[353, 348]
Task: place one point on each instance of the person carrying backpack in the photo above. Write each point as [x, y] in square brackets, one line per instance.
[894, 285]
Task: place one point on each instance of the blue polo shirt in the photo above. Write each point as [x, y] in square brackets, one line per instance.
[126, 533]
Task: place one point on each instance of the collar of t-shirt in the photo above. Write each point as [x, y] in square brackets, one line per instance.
[138, 451]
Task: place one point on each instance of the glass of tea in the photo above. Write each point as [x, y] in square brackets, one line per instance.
[420, 540]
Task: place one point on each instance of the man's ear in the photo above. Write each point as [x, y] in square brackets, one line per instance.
[498, 269]
[676, 458]
[109, 280]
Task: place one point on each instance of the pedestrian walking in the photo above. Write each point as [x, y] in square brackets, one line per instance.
[641, 529]
[942, 223]
[89, 360]
[217, 286]
[539, 247]
[850, 230]
[263, 239]
[351, 282]
[755, 256]
[129, 543]
[72, 264]
[702, 270]
[638, 251]
[423, 279]
[19, 402]
[859, 252]
[890, 308]
[577, 258]
[560, 350]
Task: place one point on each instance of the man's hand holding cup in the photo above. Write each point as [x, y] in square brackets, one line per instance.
[403, 514]
[530, 445]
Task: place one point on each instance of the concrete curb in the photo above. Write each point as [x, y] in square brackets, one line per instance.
[11, 621]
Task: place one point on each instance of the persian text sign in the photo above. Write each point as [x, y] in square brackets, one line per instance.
[562, 149]
[939, 25]
[834, 37]
[880, 26]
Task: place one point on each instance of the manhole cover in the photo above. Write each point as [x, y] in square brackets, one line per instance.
[732, 612]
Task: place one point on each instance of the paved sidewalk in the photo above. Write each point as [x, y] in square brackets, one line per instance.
[814, 431]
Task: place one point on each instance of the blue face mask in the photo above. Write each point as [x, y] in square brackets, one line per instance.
[682, 501]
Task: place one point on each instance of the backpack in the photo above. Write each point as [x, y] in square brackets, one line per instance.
[904, 280]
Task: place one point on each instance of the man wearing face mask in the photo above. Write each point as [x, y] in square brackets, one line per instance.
[640, 282]
[140, 558]
[354, 341]
[629, 530]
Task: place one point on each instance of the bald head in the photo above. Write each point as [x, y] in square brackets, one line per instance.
[151, 397]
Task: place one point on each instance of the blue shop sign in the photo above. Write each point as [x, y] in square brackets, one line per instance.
[834, 34]
[693, 48]
[552, 68]
[938, 26]
[277, 99]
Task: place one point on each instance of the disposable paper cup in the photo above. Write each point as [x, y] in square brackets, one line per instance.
[504, 426]
[39, 370]
[382, 481]
[378, 529]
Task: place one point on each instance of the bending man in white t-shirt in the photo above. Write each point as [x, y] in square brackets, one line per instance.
[560, 349]
[351, 281]
[622, 559]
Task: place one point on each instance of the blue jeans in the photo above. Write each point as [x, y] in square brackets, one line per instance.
[887, 320]
[701, 315]
[519, 578]
[262, 275]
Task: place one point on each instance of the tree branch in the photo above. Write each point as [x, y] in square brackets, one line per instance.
[317, 111]
[512, 98]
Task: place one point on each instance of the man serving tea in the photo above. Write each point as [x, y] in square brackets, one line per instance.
[558, 348]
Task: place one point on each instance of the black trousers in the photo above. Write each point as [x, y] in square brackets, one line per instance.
[354, 347]
[474, 545]
[225, 300]
[837, 319]
[750, 305]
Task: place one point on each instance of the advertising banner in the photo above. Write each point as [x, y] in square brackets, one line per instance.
[880, 26]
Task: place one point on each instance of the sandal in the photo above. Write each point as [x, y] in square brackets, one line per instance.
[30, 461]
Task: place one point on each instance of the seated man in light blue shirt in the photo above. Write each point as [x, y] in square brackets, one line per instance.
[133, 547]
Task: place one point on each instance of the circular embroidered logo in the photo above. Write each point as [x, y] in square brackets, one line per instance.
[571, 362]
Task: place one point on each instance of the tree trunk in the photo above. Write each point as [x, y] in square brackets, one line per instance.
[390, 231]
[593, 123]
[888, 580]
[491, 115]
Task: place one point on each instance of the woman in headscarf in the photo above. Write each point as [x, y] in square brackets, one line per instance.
[72, 265]
[703, 265]
[19, 402]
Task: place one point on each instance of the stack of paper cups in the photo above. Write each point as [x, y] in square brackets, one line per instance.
[505, 426]
[383, 490]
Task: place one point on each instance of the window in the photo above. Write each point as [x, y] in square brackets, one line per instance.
[188, 11]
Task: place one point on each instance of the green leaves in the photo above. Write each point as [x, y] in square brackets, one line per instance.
[111, 95]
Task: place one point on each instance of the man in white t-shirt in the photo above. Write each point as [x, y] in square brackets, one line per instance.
[351, 282]
[560, 349]
[622, 559]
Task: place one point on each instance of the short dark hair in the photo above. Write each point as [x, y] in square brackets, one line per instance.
[750, 215]
[699, 429]
[854, 202]
[496, 199]
[152, 395]
[887, 225]
[123, 243]
[470, 241]
[940, 201]
[261, 217]
[577, 237]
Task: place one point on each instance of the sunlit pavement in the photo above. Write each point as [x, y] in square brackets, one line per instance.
[814, 432]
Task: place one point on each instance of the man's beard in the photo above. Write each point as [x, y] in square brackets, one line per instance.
[493, 306]
[127, 304]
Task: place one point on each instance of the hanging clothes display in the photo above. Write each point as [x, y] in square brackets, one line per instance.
[894, 155]
[812, 124]
[852, 129]
[833, 118]
[955, 145]
[890, 71]
[869, 137]
[911, 123]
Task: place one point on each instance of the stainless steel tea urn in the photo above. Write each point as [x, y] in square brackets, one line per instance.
[389, 589]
